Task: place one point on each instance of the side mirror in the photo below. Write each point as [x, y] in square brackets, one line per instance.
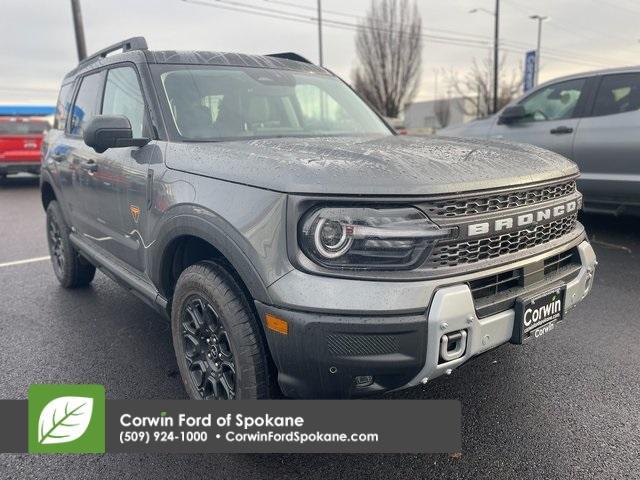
[111, 131]
[512, 114]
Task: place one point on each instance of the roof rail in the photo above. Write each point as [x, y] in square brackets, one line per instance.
[289, 56]
[133, 43]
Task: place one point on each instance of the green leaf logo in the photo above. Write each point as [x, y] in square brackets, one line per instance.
[64, 419]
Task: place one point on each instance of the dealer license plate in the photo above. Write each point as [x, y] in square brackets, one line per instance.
[538, 315]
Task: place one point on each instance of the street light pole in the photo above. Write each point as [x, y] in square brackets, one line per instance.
[540, 19]
[79, 29]
[320, 30]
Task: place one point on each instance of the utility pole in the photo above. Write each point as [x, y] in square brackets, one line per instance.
[540, 19]
[320, 30]
[496, 36]
[79, 29]
[496, 60]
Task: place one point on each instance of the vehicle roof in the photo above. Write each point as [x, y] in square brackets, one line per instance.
[595, 73]
[174, 57]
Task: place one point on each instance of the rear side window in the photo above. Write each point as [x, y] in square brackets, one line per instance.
[84, 108]
[122, 96]
[62, 106]
[618, 94]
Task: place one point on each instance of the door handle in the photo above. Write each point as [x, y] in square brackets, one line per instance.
[89, 165]
[561, 130]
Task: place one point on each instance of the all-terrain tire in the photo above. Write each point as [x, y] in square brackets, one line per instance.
[215, 332]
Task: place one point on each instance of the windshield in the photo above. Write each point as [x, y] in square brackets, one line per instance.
[23, 127]
[226, 103]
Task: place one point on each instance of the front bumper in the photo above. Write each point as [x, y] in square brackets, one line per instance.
[328, 346]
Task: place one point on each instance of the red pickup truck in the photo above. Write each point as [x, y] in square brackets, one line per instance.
[20, 142]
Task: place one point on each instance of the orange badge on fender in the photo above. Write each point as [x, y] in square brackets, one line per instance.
[135, 212]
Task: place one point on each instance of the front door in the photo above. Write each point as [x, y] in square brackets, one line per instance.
[551, 117]
[123, 96]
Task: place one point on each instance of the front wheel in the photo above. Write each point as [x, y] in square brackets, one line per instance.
[217, 340]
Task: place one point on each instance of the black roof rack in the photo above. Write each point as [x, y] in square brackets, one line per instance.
[289, 56]
[134, 43]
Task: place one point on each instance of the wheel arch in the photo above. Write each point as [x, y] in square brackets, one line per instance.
[185, 239]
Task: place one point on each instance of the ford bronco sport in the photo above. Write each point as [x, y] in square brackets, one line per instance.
[296, 244]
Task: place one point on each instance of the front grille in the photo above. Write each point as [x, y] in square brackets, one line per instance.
[496, 293]
[495, 202]
[472, 251]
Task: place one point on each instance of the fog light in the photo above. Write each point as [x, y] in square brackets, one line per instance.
[363, 381]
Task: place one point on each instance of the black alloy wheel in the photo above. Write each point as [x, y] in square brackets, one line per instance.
[207, 351]
[56, 245]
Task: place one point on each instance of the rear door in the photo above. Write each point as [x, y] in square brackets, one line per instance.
[96, 182]
[607, 143]
[552, 117]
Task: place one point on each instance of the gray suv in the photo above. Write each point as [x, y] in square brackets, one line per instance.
[592, 118]
[297, 245]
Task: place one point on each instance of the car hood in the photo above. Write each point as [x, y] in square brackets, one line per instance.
[388, 165]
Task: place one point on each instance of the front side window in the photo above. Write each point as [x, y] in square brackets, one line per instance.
[554, 102]
[84, 108]
[122, 96]
[618, 94]
[227, 103]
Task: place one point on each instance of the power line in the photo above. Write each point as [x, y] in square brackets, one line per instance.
[552, 53]
[272, 13]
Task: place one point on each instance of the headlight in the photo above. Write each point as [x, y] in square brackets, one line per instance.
[368, 238]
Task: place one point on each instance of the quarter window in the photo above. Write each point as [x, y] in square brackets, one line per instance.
[84, 108]
[122, 96]
[618, 94]
[554, 102]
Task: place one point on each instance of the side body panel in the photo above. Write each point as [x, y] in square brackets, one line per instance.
[246, 224]
[607, 152]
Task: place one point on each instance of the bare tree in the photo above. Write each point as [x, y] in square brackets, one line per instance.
[476, 87]
[389, 47]
[442, 111]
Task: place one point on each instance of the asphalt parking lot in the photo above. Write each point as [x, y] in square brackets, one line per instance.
[565, 406]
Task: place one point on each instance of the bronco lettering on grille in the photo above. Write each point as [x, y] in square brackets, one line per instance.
[522, 220]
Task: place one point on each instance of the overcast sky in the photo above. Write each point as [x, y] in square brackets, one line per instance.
[38, 43]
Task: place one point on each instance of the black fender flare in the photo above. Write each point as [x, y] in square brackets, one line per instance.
[202, 223]
[47, 178]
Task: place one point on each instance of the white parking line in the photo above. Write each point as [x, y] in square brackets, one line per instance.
[26, 260]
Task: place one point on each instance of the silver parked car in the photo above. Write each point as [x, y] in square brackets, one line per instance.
[592, 118]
